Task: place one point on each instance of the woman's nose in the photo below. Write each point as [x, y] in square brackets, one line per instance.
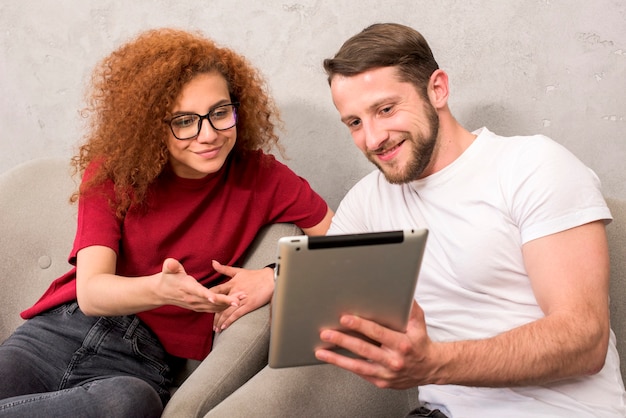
[207, 133]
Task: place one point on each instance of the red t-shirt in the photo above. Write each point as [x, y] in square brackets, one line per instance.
[193, 221]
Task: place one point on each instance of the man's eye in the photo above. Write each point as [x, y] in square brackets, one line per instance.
[354, 123]
[386, 110]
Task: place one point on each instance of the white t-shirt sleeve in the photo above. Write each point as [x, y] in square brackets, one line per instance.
[550, 190]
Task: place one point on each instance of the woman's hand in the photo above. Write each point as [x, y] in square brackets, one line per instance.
[100, 292]
[253, 288]
[180, 289]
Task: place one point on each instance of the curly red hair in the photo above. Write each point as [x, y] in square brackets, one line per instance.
[132, 93]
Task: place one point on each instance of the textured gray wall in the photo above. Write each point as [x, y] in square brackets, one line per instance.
[556, 67]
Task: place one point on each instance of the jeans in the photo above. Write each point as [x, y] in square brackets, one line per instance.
[63, 363]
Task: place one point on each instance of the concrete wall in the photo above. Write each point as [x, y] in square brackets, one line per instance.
[556, 67]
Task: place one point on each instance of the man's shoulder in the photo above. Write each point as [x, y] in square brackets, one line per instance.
[516, 141]
[511, 151]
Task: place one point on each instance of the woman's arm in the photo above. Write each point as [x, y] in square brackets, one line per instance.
[322, 227]
[101, 292]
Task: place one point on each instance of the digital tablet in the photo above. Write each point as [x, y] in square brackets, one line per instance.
[319, 278]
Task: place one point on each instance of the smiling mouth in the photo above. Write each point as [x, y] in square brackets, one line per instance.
[208, 153]
[387, 152]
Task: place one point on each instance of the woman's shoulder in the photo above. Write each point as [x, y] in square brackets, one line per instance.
[258, 162]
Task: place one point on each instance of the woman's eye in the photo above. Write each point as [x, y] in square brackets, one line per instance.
[185, 121]
[219, 114]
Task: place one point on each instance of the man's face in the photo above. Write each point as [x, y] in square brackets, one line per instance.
[389, 121]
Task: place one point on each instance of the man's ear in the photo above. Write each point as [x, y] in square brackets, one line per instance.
[438, 89]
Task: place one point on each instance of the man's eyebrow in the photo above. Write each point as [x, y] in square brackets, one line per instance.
[347, 118]
[372, 108]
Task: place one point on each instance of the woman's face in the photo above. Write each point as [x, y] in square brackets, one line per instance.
[205, 153]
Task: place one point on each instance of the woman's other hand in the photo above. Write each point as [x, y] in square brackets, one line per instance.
[253, 288]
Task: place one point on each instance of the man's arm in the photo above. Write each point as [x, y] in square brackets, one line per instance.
[569, 274]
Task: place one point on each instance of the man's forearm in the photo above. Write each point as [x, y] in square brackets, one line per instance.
[550, 349]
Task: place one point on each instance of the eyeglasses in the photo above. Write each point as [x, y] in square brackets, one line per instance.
[220, 118]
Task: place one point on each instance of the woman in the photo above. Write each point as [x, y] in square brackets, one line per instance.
[175, 187]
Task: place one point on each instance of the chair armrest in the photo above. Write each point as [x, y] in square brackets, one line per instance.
[239, 352]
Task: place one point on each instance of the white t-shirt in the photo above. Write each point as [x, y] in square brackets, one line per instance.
[499, 194]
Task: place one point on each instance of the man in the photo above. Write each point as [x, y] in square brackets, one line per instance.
[511, 314]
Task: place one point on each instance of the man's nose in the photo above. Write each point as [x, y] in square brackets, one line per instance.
[374, 134]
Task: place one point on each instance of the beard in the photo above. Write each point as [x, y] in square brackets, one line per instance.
[422, 146]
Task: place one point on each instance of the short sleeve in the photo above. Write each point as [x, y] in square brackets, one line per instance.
[97, 223]
[550, 190]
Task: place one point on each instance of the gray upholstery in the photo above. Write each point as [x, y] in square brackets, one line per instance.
[37, 226]
[616, 232]
[313, 391]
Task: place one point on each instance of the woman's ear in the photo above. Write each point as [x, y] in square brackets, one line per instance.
[438, 89]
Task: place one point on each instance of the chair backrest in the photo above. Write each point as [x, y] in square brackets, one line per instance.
[616, 232]
[37, 227]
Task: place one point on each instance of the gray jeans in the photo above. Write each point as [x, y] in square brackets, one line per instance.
[63, 363]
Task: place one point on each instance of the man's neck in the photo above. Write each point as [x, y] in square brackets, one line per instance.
[452, 141]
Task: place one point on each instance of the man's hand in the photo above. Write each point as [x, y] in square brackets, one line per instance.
[253, 288]
[400, 362]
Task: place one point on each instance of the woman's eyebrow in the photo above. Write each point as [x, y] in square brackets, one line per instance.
[217, 104]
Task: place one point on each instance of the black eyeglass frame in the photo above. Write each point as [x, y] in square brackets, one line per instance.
[235, 105]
